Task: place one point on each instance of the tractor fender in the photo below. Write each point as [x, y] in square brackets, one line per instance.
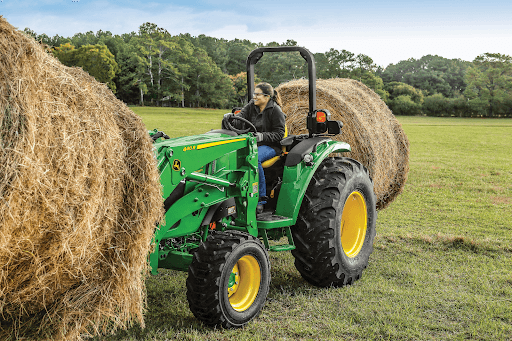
[219, 211]
[296, 155]
[297, 176]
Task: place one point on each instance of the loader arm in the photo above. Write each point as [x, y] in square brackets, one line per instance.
[197, 172]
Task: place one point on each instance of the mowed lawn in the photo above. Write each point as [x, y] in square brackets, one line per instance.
[177, 122]
[442, 264]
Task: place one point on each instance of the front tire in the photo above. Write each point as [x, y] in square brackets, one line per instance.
[228, 279]
[336, 224]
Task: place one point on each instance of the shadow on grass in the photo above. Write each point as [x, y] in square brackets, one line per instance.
[168, 314]
[166, 310]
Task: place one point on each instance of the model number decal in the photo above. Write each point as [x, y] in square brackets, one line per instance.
[189, 148]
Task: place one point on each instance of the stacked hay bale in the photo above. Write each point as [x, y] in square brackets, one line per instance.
[79, 199]
[376, 137]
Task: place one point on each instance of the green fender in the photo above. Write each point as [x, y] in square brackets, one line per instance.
[296, 178]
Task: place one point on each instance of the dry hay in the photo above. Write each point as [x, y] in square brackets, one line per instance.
[376, 137]
[79, 199]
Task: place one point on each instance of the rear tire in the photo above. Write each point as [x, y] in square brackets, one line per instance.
[336, 224]
[229, 279]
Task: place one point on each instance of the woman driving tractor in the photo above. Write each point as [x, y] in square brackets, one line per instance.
[265, 113]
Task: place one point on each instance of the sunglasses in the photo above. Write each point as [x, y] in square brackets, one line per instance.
[256, 94]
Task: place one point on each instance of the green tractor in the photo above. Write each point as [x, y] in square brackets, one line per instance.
[321, 208]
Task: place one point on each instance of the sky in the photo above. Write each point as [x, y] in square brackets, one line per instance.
[387, 31]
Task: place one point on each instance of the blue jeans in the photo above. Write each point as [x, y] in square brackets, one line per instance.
[264, 153]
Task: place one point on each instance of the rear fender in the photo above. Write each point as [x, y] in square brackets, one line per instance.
[297, 176]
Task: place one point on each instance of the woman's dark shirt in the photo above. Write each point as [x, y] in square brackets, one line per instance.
[270, 122]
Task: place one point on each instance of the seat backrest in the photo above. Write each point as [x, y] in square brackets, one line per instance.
[270, 162]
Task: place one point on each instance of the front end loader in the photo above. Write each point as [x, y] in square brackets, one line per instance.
[321, 208]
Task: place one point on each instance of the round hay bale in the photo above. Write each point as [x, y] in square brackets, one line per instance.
[371, 129]
[79, 199]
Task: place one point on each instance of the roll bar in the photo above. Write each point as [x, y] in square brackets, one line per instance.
[256, 55]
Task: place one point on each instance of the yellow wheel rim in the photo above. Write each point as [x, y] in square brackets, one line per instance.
[353, 224]
[244, 283]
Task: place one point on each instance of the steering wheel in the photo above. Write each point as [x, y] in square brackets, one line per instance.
[226, 124]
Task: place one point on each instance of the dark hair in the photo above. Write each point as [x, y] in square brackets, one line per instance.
[267, 89]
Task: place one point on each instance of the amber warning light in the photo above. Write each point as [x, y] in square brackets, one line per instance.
[321, 117]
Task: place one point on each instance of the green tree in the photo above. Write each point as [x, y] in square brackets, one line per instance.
[237, 52]
[97, 60]
[372, 81]
[396, 89]
[508, 108]
[489, 83]
[45, 39]
[130, 81]
[432, 74]
[65, 54]
[145, 44]
[240, 88]
[324, 69]
[87, 38]
[436, 105]
[460, 106]
[157, 70]
[209, 86]
[395, 73]
[363, 64]
[215, 48]
[120, 47]
[404, 99]
[182, 56]
[277, 68]
[342, 63]
[404, 105]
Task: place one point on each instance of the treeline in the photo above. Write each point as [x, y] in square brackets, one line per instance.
[152, 67]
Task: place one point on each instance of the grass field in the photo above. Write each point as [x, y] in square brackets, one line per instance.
[442, 264]
[177, 122]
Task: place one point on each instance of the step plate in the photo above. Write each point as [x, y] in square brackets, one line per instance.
[269, 216]
[268, 220]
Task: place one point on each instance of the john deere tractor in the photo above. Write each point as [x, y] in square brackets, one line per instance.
[321, 208]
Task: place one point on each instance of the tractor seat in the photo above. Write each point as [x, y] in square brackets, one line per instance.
[270, 162]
